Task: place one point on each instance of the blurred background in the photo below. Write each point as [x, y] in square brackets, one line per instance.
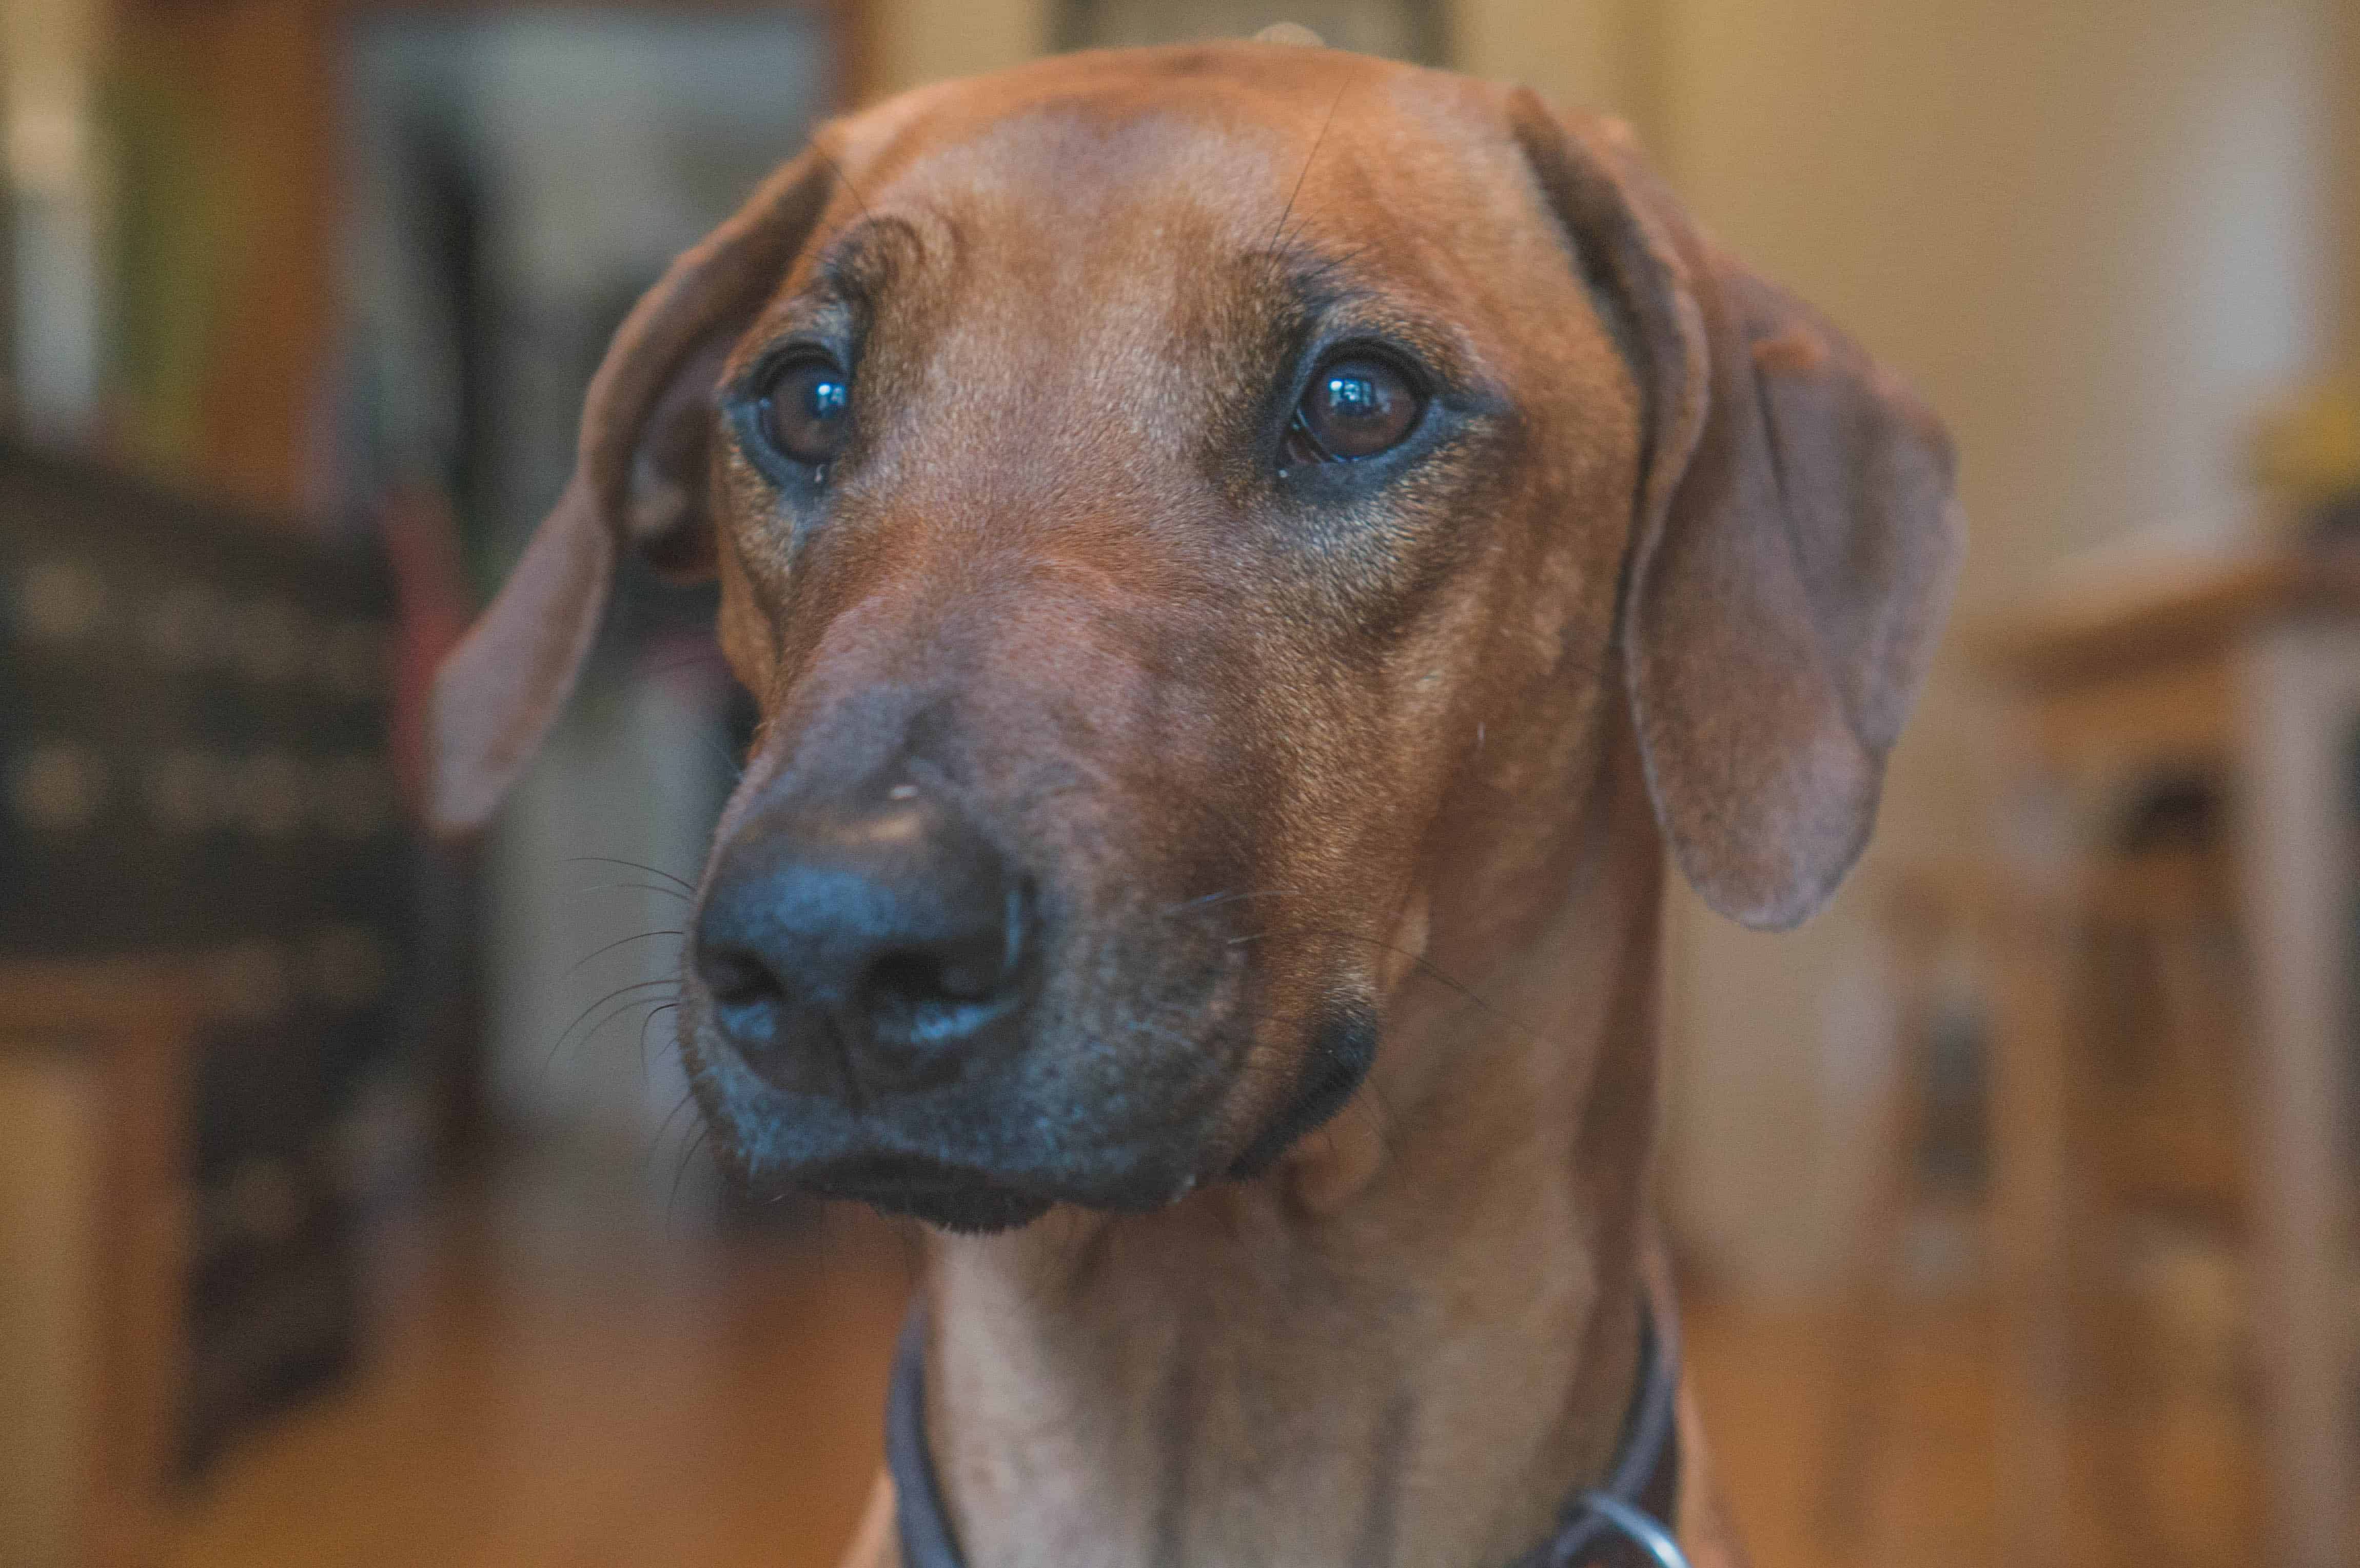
[349, 1209]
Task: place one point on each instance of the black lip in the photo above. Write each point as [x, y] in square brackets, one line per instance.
[954, 1197]
[1341, 1053]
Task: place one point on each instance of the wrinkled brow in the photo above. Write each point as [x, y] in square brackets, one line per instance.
[1308, 281]
[851, 273]
[1306, 288]
[863, 259]
[841, 288]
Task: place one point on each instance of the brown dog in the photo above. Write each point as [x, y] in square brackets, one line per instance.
[1248, 556]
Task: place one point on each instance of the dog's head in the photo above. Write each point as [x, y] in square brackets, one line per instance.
[1146, 488]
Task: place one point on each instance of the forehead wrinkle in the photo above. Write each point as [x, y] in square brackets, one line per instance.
[845, 275]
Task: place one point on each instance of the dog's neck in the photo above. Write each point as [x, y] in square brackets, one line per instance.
[1239, 1379]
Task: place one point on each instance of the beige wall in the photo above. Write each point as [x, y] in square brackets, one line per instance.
[918, 42]
[2092, 231]
[1602, 54]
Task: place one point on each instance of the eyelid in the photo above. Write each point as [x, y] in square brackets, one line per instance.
[1408, 366]
[754, 383]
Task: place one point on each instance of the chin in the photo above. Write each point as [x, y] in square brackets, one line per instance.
[965, 1202]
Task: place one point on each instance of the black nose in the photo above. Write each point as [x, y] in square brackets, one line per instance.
[865, 949]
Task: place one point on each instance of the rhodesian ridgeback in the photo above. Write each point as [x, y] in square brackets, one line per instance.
[1248, 557]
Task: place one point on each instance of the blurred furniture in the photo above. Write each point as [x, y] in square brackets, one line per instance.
[93, 1212]
[2129, 987]
[1932, 915]
[2245, 669]
[192, 763]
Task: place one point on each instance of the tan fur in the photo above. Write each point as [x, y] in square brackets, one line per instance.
[1676, 585]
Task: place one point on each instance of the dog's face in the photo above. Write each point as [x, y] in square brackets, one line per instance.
[1145, 488]
[1165, 548]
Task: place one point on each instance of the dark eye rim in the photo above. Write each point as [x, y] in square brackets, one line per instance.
[1419, 384]
[747, 404]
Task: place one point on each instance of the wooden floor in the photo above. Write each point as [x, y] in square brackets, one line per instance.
[564, 1375]
[2162, 1472]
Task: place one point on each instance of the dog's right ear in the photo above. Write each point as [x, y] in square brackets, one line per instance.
[1793, 546]
[639, 481]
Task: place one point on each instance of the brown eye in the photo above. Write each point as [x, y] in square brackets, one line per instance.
[1354, 408]
[805, 412]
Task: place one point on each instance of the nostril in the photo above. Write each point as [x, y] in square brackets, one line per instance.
[946, 990]
[739, 979]
[920, 976]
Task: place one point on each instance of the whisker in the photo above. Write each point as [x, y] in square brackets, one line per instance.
[653, 1014]
[618, 991]
[837, 169]
[625, 941]
[644, 887]
[1326, 267]
[1288, 211]
[1214, 900]
[687, 1097]
[729, 759]
[704, 1130]
[599, 1028]
[683, 883]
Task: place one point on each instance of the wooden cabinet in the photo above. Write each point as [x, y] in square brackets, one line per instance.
[93, 1062]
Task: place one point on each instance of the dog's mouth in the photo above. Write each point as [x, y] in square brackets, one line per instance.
[954, 1197]
[980, 1186]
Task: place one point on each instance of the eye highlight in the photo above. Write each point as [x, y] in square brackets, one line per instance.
[804, 412]
[1357, 405]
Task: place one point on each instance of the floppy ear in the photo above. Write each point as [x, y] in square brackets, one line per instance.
[1792, 549]
[639, 480]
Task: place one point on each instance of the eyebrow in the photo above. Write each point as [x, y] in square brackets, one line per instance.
[847, 277]
[1314, 279]
[861, 260]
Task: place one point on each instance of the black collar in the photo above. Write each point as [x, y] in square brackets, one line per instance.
[1608, 1526]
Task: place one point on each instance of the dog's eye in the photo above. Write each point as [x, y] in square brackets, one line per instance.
[804, 410]
[1355, 407]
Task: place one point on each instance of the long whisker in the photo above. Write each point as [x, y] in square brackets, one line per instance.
[837, 169]
[599, 1028]
[687, 1098]
[1214, 900]
[729, 759]
[1288, 211]
[601, 953]
[703, 1130]
[683, 883]
[1337, 261]
[618, 991]
[654, 1014]
[643, 887]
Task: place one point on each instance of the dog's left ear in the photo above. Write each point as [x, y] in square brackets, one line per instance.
[639, 481]
[1792, 549]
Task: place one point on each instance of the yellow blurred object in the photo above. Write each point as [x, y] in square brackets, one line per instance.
[2306, 449]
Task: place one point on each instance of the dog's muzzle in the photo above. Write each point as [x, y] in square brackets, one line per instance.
[875, 961]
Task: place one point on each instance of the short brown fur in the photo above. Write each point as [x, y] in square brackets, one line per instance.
[1672, 579]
